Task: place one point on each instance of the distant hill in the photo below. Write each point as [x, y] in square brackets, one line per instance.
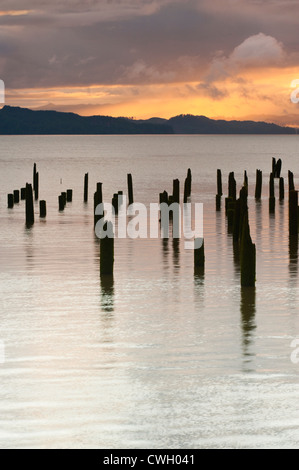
[22, 121]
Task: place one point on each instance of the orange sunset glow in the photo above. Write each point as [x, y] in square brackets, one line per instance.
[157, 58]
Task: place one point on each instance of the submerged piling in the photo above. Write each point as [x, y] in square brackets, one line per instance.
[61, 202]
[29, 207]
[219, 183]
[107, 250]
[130, 188]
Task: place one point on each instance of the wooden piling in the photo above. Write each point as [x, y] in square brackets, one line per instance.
[245, 183]
[176, 191]
[218, 202]
[23, 194]
[69, 195]
[16, 196]
[86, 187]
[10, 201]
[63, 195]
[219, 183]
[247, 256]
[293, 212]
[273, 165]
[281, 188]
[291, 181]
[199, 253]
[258, 184]
[130, 188]
[271, 194]
[107, 251]
[278, 168]
[189, 182]
[42, 209]
[236, 222]
[29, 207]
[61, 202]
[34, 175]
[36, 186]
[97, 199]
[232, 186]
[115, 203]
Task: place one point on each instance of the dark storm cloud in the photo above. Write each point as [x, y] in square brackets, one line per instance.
[131, 42]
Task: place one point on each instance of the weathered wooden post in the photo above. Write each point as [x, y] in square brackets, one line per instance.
[163, 197]
[36, 186]
[293, 212]
[247, 256]
[16, 196]
[218, 202]
[69, 195]
[176, 191]
[86, 187]
[278, 168]
[29, 207]
[63, 194]
[34, 176]
[115, 203]
[228, 200]
[281, 188]
[245, 184]
[189, 181]
[107, 250]
[199, 253]
[236, 222]
[291, 181]
[232, 186]
[271, 194]
[10, 201]
[23, 194]
[130, 188]
[97, 199]
[258, 184]
[219, 183]
[186, 191]
[61, 203]
[273, 165]
[42, 209]
[230, 214]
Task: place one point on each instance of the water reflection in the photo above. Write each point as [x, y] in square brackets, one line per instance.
[176, 252]
[293, 256]
[107, 293]
[248, 309]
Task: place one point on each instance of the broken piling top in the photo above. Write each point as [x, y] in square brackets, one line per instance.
[281, 188]
[278, 168]
[291, 180]
[130, 188]
[10, 201]
[107, 249]
[247, 256]
[176, 191]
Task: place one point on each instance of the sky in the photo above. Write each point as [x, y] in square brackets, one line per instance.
[228, 59]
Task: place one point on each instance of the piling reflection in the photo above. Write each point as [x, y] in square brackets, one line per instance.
[107, 293]
[293, 255]
[248, 309]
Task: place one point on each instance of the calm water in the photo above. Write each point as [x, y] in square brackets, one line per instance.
[158, 357]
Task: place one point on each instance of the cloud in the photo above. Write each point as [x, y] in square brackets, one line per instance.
[259, 50]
